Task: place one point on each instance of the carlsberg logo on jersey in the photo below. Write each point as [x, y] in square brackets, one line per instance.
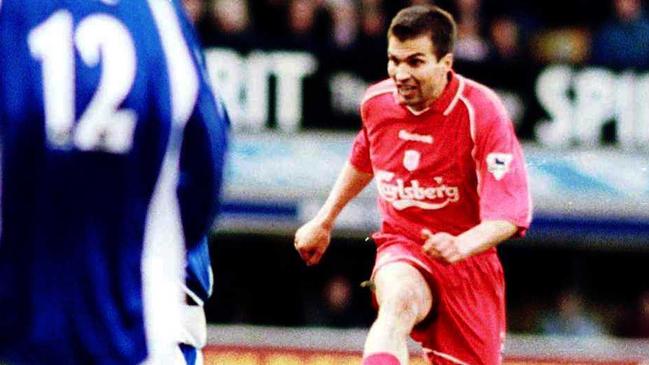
[402, 194]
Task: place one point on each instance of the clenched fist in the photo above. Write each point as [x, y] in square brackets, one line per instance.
[443, 246]
[311, 241]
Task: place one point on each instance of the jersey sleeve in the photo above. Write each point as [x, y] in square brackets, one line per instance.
[503, 182]
[360, 154]
[203, 151]
[202, 164]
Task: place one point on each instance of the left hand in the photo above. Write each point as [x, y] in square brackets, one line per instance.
[443, 246]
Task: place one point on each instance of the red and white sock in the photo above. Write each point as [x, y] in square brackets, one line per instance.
[380, 358]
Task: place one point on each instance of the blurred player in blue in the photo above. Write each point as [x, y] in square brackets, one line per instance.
[198, 281]
[112, 155]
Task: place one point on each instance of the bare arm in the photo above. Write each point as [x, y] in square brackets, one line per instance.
[473, 241]
[312, 239]
[349, 183]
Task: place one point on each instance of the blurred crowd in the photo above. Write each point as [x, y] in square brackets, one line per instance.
[611, 33]
[581, 294]
[568, 313]
[572, 314]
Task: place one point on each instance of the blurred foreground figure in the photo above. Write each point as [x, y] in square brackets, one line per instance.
[112, 155]
[197, 286]
[452, 185]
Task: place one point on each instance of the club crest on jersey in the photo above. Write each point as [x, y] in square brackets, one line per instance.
[498, 164]
[411, 160]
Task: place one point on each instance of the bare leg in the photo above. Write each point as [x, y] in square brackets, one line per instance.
[404, 300]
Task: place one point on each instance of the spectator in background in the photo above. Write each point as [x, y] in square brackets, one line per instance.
[344, 23]
[228, 24]
[623, 41]
[338, 298]
[372, 20]
[505, 39]
[571, 318]
[343, 40]
[471, 45]
[231, 15]
[302, 16]
[365, 4]
[636, 323]
[372, 42]
[303, 31]
[508, 67]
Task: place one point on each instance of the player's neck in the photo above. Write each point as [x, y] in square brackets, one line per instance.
[437, 93]
[417, 111]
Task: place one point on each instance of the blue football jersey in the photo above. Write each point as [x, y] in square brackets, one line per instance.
[112, 154]
[198, 283]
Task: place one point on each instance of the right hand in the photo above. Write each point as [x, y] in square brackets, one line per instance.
[311, 241]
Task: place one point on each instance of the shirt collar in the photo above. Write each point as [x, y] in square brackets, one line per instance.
[448, 95]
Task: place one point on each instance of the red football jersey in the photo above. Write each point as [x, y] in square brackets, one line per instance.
[446, 168]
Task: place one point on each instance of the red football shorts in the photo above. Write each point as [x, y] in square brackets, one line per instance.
[466, 324]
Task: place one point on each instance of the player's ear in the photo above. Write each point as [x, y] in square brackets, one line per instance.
[447, 60]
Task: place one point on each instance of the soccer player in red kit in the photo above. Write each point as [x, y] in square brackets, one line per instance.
[452, 185]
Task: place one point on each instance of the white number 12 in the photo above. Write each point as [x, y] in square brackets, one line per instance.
[99, 38]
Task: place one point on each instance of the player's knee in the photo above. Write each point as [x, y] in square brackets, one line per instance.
[403, 292]
[404, 303]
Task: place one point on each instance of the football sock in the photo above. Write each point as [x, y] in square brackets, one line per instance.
[381, 358]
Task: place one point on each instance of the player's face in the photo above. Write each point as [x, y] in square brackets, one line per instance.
[420, 77]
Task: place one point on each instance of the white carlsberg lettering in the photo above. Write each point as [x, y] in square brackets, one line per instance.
[402, 194]
[407, 136]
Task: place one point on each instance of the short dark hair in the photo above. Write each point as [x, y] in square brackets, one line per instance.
[418, 20]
